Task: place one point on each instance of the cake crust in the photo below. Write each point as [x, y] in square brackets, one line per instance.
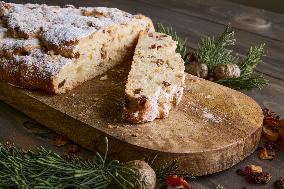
[55, 48]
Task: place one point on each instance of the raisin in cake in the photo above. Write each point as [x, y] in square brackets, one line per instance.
[55, 48]
[156, 79]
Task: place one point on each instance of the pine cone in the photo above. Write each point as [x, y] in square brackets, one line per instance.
[227, 71]
[197, 69]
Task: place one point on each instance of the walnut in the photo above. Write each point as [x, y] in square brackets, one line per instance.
[260, 178]
[227, 71]
[265, 154]
[197, 69]
[144, 172]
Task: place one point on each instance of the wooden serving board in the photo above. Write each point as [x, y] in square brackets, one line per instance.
[211, 130]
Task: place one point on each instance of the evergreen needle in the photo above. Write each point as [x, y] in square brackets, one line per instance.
[45, 169]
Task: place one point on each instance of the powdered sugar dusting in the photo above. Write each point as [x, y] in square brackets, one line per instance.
[210, 117]
[68, 23]
[10, 45]
[43, 64]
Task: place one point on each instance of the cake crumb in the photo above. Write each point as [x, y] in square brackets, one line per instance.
[103, 78]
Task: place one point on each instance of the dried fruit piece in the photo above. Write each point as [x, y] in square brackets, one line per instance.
[60, 141]
[250, 169]
[280, 183]
[254, 169]
[270, 145]
[270, 134]
[264, 154]
[260, 178]
[175, 181]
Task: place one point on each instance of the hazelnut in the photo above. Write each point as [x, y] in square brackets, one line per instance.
[227, 71]
[144, 173]
[197, 69]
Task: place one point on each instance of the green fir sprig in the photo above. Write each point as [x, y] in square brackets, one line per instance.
[215, 52]
[45, 169]
[181, 42]
[248, 79]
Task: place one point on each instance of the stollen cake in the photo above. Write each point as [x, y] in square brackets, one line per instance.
[54, 48]
[156, 79]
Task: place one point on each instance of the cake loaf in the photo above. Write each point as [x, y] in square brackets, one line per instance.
[54, 48]
[156, 79]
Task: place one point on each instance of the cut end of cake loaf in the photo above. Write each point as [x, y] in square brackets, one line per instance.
[155, 82]
[56, 48]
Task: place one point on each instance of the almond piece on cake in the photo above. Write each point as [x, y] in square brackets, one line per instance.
[156, 79]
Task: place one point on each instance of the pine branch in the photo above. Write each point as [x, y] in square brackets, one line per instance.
[253, 58]
[181, 43]
[248, 79]
[215, 52]
[44, 169]
[245, 82]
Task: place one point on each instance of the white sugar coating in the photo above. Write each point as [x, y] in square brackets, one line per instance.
[60, 34]
[47, 65]
[11, 44]
[45, 21]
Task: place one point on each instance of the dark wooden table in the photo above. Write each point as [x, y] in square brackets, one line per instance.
[192, 19]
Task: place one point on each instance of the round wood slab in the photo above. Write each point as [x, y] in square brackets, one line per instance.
[212, 129]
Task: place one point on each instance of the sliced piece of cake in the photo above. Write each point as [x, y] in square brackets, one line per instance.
[156, 79]
[56, 48]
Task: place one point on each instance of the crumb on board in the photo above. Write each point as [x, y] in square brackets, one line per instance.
[103, 78]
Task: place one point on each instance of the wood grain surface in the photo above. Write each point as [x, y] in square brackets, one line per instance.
[192, 19]
[229, 119]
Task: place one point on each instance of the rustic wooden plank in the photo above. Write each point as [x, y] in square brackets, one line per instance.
[35, 135]
[253, 20]
[272, 96]
[195, 28]
[92, 110]
[11, 123]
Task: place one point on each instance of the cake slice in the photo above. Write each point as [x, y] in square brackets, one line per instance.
[155, 82]
[56, 48]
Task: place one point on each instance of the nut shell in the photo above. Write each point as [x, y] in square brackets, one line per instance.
[227, 71]
[144, 173]
[197, 69]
